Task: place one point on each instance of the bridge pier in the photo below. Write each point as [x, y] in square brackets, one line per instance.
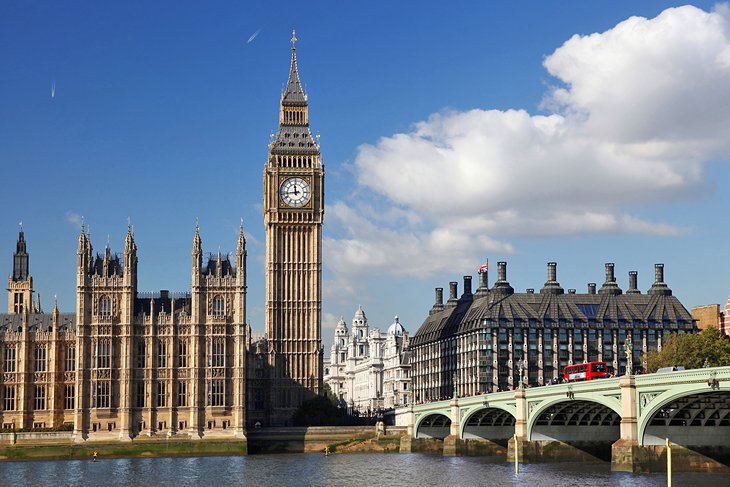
[452, 443]
[626, 454]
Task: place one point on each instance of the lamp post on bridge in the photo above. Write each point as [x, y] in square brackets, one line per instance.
[629, 349]
[520, 368]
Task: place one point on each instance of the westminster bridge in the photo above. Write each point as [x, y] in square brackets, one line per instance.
[625, 420]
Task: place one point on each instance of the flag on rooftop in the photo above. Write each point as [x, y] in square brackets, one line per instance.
[484, 267]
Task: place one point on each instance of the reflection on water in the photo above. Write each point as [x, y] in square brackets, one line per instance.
[301, 470]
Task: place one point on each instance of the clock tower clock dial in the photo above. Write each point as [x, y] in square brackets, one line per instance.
[293, 214]
[295, 192]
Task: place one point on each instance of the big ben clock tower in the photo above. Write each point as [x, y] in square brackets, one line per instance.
[293, 213]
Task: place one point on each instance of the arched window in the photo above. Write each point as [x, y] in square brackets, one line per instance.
[105, 307]
[219, 306]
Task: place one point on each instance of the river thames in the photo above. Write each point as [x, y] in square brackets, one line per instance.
[302, 470]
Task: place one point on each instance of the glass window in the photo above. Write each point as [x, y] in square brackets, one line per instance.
[182, 353]
[39, 398]
[69, 397]
[161, 394]
[10, 359]
[216, 392]
[40, 358]
[218, 352]
[219, 306]
[182, 394]
[141, 349]
[8, 398]
[102, 394]
[140, 394]
[70, 358]
[103, 353]
[105, 307]
[161, 354]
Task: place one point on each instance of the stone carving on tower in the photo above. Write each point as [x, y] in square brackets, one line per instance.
[293, 214]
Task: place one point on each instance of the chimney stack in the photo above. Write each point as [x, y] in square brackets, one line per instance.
[551, 285]
[591, 288]
[501, 285]
[633, 283]
[453, 298]
[467, 287]
[438, 304]
[501, 271]
[659, 286]
[610, 286]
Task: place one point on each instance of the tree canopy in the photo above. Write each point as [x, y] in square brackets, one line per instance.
[707, 348]
[320, 410]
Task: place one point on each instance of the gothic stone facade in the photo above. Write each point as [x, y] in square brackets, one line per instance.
[130, 363]
[293, 215]
[476, 343]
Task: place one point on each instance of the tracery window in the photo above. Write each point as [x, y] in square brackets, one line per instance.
[105, 307]
[182, 394]
[182, 353]
[216, 392]
[140, 394]
[161, 394]
[40, 358]
[8, 398]
[70, 358]
[39, 398]
[9, 359]
[69, 397]
[161, 354]
[219, 306]
[102, 394]
[217, 352]
[103, 353]
[141, 349]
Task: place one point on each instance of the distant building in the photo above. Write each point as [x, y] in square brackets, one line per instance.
[707, 316]
[477, 343]
[712, 316]
[367, 370]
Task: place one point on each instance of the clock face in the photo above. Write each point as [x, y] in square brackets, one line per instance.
[295, 192]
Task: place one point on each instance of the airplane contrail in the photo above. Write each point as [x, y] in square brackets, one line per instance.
[253, 36]
[53, 89]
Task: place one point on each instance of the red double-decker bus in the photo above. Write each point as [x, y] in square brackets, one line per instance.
[586, 371]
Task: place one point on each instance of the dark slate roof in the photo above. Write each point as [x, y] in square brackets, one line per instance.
[162, 302]
[114, 264]
[294, 139]
[38, 321]
[537, 310]
[294, 92]
[211, 267]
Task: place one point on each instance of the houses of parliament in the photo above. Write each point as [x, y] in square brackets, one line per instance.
[130, 363]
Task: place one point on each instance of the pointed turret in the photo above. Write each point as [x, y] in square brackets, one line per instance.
[21, 270]
[294, 93]
[129, 245]
[293, 135]
[241, 252]
[197, 249]
[84, 250]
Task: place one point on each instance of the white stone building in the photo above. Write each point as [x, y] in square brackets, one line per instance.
[368, 370]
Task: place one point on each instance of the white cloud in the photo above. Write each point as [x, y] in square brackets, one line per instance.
[639, 109]
[74, 219]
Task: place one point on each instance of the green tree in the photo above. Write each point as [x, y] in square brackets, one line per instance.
[319, 411]
[707, 348]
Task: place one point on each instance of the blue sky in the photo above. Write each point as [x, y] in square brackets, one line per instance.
[451, 132]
